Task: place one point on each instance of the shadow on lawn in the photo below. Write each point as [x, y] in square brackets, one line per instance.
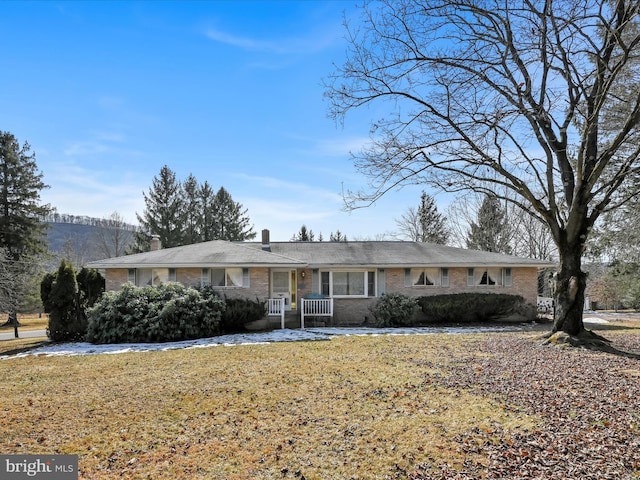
[25, 348]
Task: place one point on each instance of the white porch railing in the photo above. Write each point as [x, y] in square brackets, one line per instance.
[275, 308]
[315, 307]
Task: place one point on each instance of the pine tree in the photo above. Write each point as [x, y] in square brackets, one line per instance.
[207, 197]
[424, 224]
[164, 214]
[193, 211]
[231, 222]
[491, 231]
[337, 237]
[21, 230]
[304, 235]
[432, 223]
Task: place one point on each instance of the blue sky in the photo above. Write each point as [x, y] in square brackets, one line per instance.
[107, 93]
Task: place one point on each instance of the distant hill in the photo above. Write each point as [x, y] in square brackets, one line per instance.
[77, 238]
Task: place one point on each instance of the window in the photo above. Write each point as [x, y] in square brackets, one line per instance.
[424, 277]
[324, 284]
[508, 281]
[148, 277]
[225, 277]
[489, 277]
[371, 284]
[205, 278]
[348, 283]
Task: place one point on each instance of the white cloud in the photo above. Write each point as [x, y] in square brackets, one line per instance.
[263, 185]
[85, 148]
[312, 43]
[95, 193]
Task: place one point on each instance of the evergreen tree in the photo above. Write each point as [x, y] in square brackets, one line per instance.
[491, 231]
[91, 286]
[337, 237]
[231, 222]
[193, 211]
[164, 213]
[304, 235]
[208, 218]
[424, 224]
[21, 230]
[61, 300]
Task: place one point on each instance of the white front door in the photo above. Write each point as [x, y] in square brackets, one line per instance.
[281, 287]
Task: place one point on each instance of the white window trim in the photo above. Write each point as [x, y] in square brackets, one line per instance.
[417, 271]
[506, 277]
[206, 273]
[365, 275]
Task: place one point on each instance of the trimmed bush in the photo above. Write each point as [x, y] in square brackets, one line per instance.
[395, 310]
[166, 313]
[239, 312]
[474, 307]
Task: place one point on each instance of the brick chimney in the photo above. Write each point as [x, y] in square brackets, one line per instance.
[265, 241]
[156, 244]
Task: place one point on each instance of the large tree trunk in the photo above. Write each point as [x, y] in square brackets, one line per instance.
[569, 293]
[569, 287]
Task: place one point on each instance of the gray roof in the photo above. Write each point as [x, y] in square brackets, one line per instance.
[393, 254]
[219, 253]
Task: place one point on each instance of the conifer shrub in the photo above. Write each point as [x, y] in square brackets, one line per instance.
[91, 286]
[395, 310]
[474, 307]
[61, 300]
[239, 312]
[66, 296]
[165, 313]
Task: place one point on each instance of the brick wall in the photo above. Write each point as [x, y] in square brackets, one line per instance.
[115, 278]
[524, 283]
[353, 311]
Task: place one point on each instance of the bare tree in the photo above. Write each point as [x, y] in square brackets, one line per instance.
[15, 284]
[530, 237]
[114, 236]
[499, 94]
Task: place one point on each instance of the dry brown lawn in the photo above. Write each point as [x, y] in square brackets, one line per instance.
[28, 321]
[350, 408]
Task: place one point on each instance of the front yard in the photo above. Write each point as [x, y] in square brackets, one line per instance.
[493, 405]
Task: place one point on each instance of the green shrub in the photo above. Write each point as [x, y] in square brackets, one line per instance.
[90, 285]
[474, 307]
[395, 310]
[61, 300]
[165, 313]
[239, 312]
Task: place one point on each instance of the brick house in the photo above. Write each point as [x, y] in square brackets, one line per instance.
[351, 275]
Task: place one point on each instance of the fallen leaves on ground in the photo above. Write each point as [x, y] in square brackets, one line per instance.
[588, 403]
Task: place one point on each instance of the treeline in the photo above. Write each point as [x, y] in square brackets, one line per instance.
[187, 212]
[86, 220]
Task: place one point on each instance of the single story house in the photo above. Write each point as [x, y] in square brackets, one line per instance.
[339, 280]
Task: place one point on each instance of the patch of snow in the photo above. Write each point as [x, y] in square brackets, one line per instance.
[284, 335]
[594, 320]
